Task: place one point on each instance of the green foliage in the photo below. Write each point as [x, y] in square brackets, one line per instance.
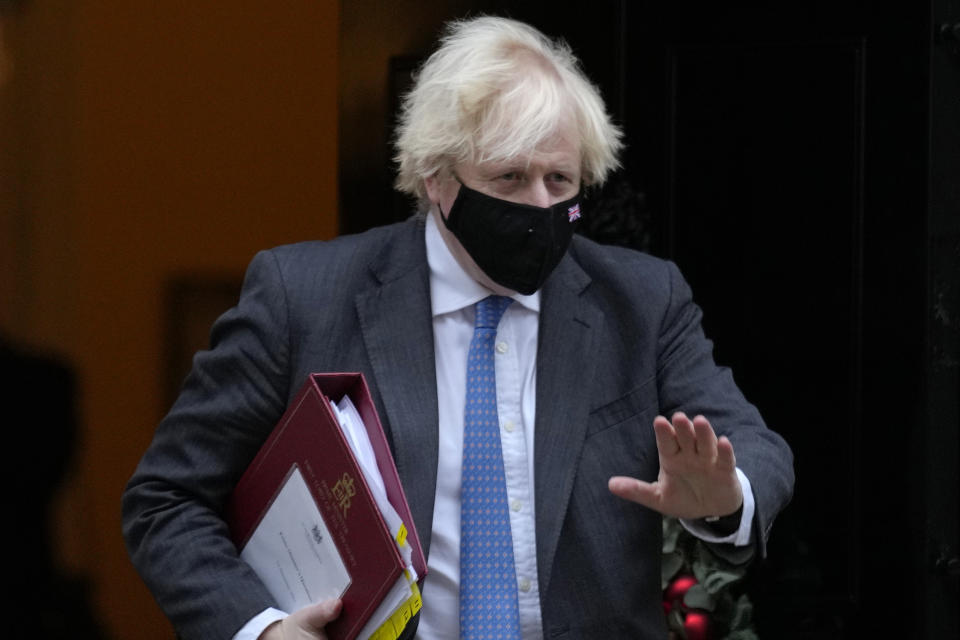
[717, 569]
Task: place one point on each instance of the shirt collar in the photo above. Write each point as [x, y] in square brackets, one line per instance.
[452, 288]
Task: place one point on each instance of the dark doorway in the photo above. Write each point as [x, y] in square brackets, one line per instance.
[800, 163]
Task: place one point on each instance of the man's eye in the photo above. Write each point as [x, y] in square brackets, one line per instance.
[510, 175]
[559, 177]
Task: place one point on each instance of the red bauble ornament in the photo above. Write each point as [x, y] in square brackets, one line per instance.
[673, 594]
[697, 625]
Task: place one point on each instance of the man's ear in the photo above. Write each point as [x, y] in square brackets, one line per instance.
[432, 184]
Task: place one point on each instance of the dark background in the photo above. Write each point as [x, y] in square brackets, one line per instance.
[799, 161]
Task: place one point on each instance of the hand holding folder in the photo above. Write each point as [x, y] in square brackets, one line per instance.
[315, 525]
[308, 622]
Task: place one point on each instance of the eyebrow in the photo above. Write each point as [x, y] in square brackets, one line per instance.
[523, 167]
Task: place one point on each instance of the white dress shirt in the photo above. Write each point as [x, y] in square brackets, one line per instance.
[453, 294]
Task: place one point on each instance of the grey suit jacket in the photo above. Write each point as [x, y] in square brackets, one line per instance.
[620, 342]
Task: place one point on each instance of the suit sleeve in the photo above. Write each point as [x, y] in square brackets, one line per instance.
[173, 503]
[691, 382]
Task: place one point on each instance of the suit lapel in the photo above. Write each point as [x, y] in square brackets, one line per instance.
[565, 364]
[395, 319]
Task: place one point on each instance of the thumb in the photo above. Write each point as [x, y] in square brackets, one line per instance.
[644, 493]
[318, 615]
[310, 621]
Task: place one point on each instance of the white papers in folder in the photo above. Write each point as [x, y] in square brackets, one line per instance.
[398, 594]
[356, 434]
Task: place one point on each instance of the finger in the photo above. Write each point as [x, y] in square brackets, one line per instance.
[706, 439]
[685, 434]
[667, 444]
[725, 457]
[638, 491]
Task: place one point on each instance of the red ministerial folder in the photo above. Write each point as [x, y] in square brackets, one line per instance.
[308, 439]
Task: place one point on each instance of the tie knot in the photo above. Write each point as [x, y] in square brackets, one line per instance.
[490, 310]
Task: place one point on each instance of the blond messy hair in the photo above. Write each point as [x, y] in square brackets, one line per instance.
[495, 90]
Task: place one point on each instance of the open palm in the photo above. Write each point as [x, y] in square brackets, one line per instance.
[697, 472]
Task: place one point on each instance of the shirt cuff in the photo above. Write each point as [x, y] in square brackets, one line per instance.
[741, 537]
[259, 623]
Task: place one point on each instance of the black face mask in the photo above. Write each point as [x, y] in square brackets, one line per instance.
[516, 245]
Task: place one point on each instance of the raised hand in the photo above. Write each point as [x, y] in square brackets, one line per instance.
[697, 472]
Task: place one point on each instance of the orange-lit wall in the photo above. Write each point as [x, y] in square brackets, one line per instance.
[140, 141]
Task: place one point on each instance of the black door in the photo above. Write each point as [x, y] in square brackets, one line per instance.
[801, 163]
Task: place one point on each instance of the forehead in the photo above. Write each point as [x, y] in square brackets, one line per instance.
[559, 151]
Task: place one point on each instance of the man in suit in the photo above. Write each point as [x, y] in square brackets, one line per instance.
[596, 347]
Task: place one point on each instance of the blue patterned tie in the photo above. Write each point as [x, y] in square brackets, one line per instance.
[488, 579]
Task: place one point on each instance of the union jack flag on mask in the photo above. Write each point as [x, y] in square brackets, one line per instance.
[573, 213]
